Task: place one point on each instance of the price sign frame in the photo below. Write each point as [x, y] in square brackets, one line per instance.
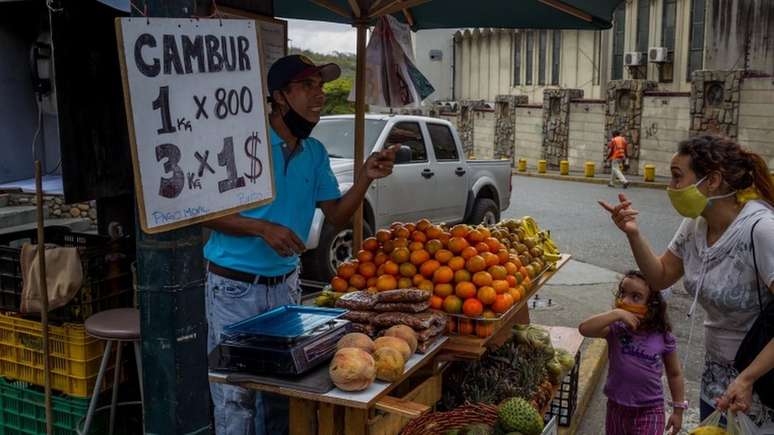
[223, 157]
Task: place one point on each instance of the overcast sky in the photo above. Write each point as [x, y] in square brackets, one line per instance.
[321, 37]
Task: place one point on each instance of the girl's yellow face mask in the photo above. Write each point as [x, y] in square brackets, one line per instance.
[689, 201]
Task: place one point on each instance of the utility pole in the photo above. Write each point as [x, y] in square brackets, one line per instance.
[170, 274]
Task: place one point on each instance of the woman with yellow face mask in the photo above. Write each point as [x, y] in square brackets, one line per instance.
[712, 250]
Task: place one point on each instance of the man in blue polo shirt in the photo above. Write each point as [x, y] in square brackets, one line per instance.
[253, 256]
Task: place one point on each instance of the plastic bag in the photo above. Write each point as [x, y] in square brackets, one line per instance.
[736, 424]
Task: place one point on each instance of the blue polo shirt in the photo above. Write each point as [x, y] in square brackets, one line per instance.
[300, 183]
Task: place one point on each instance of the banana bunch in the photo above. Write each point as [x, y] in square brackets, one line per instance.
[327, 298]
[550, 250]
[524, 239]
[708, 430]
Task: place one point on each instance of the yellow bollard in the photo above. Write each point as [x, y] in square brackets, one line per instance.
[522, 165]
[542, 164]
[564, 167]
[650, 173]
[589, 169]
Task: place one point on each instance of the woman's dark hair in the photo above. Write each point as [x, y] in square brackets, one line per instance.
[739, 167]
[616, 133]
[656, 319]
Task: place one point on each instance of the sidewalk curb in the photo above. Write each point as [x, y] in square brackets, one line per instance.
[591, 180]
[592, 364]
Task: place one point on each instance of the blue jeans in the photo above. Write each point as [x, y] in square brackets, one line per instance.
[239, 411]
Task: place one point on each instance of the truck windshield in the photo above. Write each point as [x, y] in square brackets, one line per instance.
[338, 136]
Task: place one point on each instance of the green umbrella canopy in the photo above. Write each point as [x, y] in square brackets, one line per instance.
[434, 14]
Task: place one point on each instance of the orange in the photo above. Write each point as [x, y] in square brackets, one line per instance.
[358, 281]
[395, 225]
[511, 267]
[456, 263]
[443, 274]
[475, 263]
[372, 289]
[503, 255]
[469, 252]
[388, 246]
[391, 268]
[400, 243]
[404, 282]
[444, 238]
[339, 284]
[443, 256]
[346, 270]
[400, 255]
[516, 262]
[484, 329]
[429, 267]
[465, 327]
[461, 275]
[498, 272]
[436, 302]
[494, 244]
[460, 230]
[522, 291]
[452, 304]
[416, 246]
[371, 282]
[523, 271]
[434, 245]
[512, 282]
[489, 314]
[380, 258]
[482, 278]
[485, 231]
[383, 235]
[380, 270]
[408, 270]
[371, 244]
[457, 244]
[368, 270]
[426, 285]
[401, 233]
[519, 277]
[420, 256]
[515, 294]
[486, 295]
[423, 224]
[465, 290]
[527, 283]
[386, 282]
[475, 236]
[502, 303]
[419, 236]
[434, 232]
[443, 290]
[364, 256]
[491, 259]
[482, 247]
[500, 285]
[472, 307]
[410, 227]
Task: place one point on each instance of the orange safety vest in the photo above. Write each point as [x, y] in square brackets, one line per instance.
[617, 148]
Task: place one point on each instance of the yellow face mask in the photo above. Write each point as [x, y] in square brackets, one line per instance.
[689, 201]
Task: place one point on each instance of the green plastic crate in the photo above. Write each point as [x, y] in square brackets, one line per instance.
[22, 410]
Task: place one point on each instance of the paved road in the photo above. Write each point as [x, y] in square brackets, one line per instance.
[580, 226]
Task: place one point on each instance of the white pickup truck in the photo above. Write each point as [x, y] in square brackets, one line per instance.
[431, 179]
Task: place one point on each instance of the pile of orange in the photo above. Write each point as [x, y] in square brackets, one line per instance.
[469, 271]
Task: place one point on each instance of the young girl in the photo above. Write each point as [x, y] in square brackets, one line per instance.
[640, 347]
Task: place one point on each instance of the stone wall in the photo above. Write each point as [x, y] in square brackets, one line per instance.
[624, 113]
[665, 122]
[556, 123]
[528, 133]
[57, 209]
[715, 102]
[505, 109]
[756, 116]
[586, 124]
[465, 126]
[483, 134]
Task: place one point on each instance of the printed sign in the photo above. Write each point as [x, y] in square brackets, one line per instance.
[194, 92]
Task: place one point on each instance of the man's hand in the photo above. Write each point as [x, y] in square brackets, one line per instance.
[675, 422]
[282, 239]
[738, 396]
[379, 165]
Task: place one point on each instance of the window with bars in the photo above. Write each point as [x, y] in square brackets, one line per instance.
[530, 56]
[542, 42]
[556, 55]
[668, 23]
[517, 59]
[643, 25]
[619, 32]
[696, 44]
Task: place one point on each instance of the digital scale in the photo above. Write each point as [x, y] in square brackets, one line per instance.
[287, 340]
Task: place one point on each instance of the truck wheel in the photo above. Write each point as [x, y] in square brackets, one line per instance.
[335, 247]
[484, 211]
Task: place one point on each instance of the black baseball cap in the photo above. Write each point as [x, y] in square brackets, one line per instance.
[298, 67]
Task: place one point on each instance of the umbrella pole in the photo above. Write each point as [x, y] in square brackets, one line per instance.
[43, 294]
[357, 219]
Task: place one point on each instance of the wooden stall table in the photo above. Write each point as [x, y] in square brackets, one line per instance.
[469, 347]
[339, 412]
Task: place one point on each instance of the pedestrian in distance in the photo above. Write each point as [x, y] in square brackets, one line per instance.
[640, 348]
[617, 153]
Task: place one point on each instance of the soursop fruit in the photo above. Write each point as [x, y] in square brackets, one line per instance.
[517, 414]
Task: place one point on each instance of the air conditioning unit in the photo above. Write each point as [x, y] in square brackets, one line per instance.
[659, 55]
[634, 58]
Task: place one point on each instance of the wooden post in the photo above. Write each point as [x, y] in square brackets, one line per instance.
[43, 294]
[357, 219]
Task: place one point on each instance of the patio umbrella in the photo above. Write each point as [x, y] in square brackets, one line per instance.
[433, 14]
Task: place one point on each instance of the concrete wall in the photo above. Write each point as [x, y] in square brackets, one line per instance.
[483, 134]
[438, 72]
[449, 117]
[665, 122]
[740, 35]
[756, 117]
[587, 130]
[528, 135]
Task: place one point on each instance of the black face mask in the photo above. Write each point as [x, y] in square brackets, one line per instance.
[298, 125]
